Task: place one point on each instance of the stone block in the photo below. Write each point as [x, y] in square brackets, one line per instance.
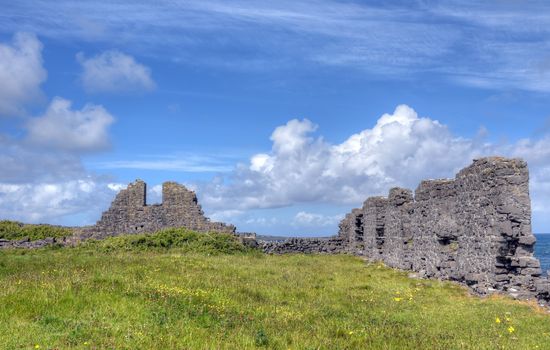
[527, 240]
[528, 261]
[531, 271]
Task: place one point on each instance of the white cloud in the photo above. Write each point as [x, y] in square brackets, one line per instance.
[38, 185]
[117, 187]
[228, 215]
[292, 136]
[303, 218]
[114, 71]
[71, 130]
[21, 73]
[261, 162]
[261, 221]
[401, 149]
[154, 194]
[51, 201]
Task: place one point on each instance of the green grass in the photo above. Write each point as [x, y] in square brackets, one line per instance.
[14, 230]
[118, 295]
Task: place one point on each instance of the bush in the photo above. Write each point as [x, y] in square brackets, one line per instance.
[14, 230]
[10, 229]
[186, 240]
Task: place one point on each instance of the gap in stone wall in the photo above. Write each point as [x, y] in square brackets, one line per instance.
[154, 195]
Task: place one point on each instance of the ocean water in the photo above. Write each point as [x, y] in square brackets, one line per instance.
[542, 251]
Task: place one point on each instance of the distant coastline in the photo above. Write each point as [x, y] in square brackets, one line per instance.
[542, 250]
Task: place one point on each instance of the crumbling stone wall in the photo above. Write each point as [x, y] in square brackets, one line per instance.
[475, 228]
[129, 212]
[305, 245]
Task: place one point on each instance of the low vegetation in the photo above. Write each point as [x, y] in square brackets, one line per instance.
[182, 239]
[13, 230]
[183, 290]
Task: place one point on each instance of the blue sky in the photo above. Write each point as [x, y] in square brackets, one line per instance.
[282, 116]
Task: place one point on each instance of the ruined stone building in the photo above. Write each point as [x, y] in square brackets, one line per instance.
[475, 228]
[129, 212]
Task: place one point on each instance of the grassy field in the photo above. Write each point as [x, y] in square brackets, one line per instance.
[121, 295]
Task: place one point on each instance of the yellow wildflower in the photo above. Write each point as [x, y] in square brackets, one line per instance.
[397, 299]
[511, 329]
[497, 320]
[37, 346]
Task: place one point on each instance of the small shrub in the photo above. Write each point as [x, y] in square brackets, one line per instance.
[9, 229]
[453, 247]
[261, 338]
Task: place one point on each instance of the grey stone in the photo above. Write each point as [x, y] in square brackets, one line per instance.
[527, 240]
[475, 227]
[129, 213]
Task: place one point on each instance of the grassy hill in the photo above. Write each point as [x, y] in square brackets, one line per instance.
[181, 290]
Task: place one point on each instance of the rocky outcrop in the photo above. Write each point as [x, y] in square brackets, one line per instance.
[129, 213]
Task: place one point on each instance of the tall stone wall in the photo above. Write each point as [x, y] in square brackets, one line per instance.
[129, 212]
[475, 228]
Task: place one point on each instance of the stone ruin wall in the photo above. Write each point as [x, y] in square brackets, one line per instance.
[475, 229]
[129, 212]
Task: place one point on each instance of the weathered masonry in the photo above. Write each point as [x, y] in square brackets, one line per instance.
[475, 228]
[129, 212]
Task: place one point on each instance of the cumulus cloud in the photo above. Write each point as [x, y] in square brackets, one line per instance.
[21, 73]
[154, 194]
[401, 149]
[38, 185]
[49, 185]
[51, 201]
[304, 218]
[63, 128]
[114, 71]
[261, 221]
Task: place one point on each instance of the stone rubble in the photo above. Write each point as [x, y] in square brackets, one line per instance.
[27, 243]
